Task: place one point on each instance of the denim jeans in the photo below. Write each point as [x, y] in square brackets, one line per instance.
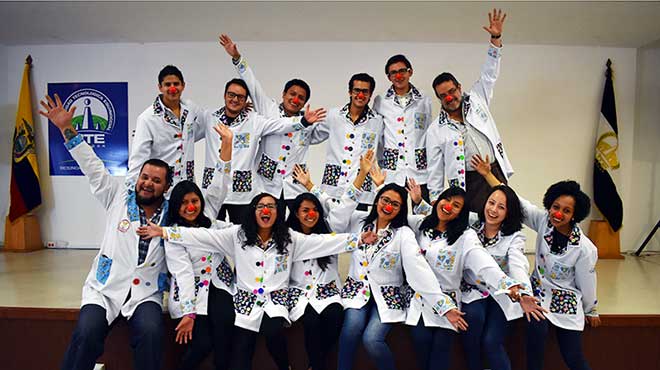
[432, 345]
[487, 330]
[87, 343]
[364, 323]
[570, 346]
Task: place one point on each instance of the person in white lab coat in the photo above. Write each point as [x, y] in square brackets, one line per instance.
[128, 273]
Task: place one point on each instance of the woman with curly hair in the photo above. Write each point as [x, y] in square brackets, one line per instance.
[564, 277]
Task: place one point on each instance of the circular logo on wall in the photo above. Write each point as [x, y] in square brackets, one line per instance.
[95, 112]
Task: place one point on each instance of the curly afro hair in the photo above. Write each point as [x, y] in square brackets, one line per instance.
[572, 189]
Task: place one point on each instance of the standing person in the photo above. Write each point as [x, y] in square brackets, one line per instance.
[167, 130]
[466, 127]
[406, 115]
[263, 249]
[248, 129]
[128, 273]
[278, 153]
[564, 276]
[350, 131]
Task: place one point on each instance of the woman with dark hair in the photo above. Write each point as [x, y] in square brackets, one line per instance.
[489, 316]
[263, 249]
[451, 249]
[564, 277]
[202, 283]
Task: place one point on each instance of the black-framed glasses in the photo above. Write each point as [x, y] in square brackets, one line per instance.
[240, 97]
[393, 203]
[392, 74]
[451, 91]
[270, 206]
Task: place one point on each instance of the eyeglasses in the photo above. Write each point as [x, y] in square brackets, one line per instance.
[451, 91]
[262, 206]
[393, 203]
[392, 74]
[232, 95]
[357, 91]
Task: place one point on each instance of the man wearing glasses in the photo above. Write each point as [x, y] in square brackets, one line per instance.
[351, 131]
[406, 115]
[466, 128]
[248, 129]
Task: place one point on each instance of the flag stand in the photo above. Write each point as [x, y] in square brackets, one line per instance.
[23, 235]
[648, 239]
[606, 240]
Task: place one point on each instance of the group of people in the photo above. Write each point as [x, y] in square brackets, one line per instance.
[237, 267]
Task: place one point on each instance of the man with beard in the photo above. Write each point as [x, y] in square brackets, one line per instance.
[128, 273]
[465, 127]
[279, 153]
[351, 131]
[167, 130]
[249, 128]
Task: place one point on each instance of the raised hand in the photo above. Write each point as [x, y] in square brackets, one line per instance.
[496, 20]
[224, 131]
[59, 116]
[531, 308]
[414, 190]
[368, 237]
[184, 329]
[302, 176]
[367, 161]
[480, 165]
[315, 115]
[150, 231]
[455, 317]
[230, 47]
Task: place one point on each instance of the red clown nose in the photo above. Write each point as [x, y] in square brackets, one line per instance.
[191, 208]
[398, 76]
[172, 90]
[389, 208]
[447, 207]
[296, 100]
[558, 215]
[449, 99]
[311, 214]
[360, 96]
[266, 211]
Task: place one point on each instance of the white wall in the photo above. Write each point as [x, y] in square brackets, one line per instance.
[546, 104]
[6, 132]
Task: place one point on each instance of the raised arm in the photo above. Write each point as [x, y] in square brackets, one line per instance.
[270, 126]
[491, 68]
[102, 185]
[217, 190]
[210, 240]
[322, 245]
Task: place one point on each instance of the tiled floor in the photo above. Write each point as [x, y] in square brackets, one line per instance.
[54, 278]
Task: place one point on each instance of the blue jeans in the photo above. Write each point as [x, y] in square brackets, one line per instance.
[570, 346]
[364, 323]
[433, 346]
[87, 343]
[487, 330]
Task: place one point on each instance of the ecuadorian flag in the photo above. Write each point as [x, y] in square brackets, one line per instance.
[24, 190]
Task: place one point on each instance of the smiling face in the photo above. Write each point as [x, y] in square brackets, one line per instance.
[450, 208]
[235, 99]
[294, 99]
[266, 212]
[151, 184]
[388, 206]
[495, 208]
[450, 96]
[360, 94]
[561, 212]
[399, 74]
[171, 88]
[190, 208]
[308, 215]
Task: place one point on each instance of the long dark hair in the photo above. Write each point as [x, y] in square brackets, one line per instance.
[455, 227]
[176, 199]
[401, 218]
[320, 228]
[514, 214]
[280, 235]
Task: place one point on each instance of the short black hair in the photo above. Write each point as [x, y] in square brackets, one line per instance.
[401, 218]
[572, 189]
[167, 71]
[444, 77]
[176, 199]
[514, 213]
[239, 82]
[364, 77]
[169, 176]
[396, 59]
[300, 83]
[455, 227]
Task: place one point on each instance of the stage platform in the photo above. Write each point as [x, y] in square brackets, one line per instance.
[40, 298]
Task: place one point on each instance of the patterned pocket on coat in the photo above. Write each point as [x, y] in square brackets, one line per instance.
[368, 140]
[560, 271]
[280, 297]
[224, 272]
[390, 158]
[563, 302]
[267, 167]
[103, 268]
[242, 181]
[294, 296]
[420, 159]
[445, 260]
[503, 262]
[393, 297]
[207, 177]
[351, 288]
[242, 141]
[281, 263]
[388, 261]
[331, 174]
[244, 302]
[420, 120]
[190, 170]
[328, 290]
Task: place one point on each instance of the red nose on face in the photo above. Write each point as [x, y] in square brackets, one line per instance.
[449, 99]
[389, 208]
[266, 211]
[558, 215]
[296, 100]
[191, 208]
[360, 96]
[172, 90]
[447, 207]
[311, 214]
[398, 76]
